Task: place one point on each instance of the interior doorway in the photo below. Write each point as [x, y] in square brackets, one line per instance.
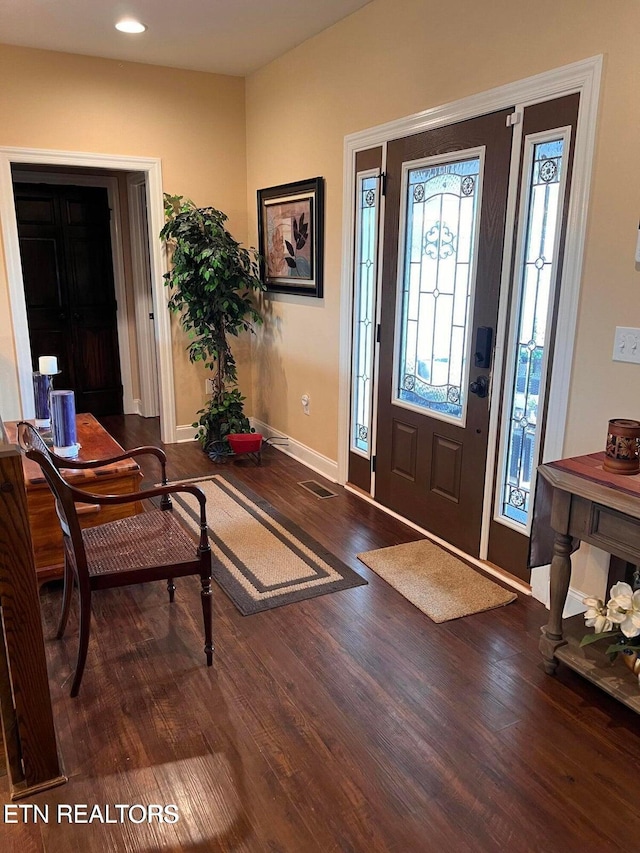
[150, 170]
[66, 253]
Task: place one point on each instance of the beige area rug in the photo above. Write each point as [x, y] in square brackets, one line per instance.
[439, 584]
[260, 558]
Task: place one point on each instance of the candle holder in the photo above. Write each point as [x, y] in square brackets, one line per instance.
[63, 418]
[622, 454]
[41, 392]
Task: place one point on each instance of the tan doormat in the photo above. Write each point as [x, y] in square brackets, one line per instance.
[439, 584]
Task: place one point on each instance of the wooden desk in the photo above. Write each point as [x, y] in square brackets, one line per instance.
[115, 479]
[601, 509]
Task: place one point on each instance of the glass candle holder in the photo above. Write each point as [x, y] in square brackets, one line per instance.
[41, 392]
[63, 424]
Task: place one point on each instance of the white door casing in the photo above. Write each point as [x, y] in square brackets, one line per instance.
[151, 167]
[143, 295]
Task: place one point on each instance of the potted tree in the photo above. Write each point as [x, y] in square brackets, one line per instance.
[212, 281]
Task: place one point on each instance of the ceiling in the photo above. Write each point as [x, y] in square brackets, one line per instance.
[221, 36]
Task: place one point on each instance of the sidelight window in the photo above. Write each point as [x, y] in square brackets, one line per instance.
[367, 213]
[532, 313]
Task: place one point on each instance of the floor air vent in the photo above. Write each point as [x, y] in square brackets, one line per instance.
[317, 489]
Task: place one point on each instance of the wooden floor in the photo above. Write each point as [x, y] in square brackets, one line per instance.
[349, 722]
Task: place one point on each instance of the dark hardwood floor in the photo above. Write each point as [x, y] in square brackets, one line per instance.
[347, 723]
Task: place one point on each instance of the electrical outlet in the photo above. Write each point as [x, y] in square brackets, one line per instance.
[306, 403]
[626, 346]
[208, 386]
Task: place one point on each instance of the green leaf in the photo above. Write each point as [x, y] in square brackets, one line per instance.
[594, 638]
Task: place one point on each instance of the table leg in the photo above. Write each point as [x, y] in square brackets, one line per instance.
[559, 587]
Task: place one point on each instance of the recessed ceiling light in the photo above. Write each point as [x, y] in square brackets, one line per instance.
[128, 25]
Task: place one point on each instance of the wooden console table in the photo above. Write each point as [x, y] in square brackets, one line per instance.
[602, 509]
[115, 479]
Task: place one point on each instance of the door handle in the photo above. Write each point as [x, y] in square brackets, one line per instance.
[482, 353]
[480, 386]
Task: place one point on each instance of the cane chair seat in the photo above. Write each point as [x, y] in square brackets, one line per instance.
[138, 542]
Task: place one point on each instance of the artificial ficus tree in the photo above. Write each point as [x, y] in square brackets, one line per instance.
[212, 283]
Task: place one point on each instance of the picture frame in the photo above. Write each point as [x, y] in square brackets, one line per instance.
[291, 236]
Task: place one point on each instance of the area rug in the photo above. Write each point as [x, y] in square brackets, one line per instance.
[260, 558]
[439, 584]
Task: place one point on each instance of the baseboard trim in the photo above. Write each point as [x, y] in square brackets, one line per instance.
[573, 604]
[322, 465]
[184, 432]
[540, 578]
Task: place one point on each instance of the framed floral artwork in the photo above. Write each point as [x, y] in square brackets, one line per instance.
[290, 235]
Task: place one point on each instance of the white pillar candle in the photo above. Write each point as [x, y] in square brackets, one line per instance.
[48, 364]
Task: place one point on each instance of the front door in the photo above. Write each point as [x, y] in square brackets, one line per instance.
[65, 249]
[444, 229]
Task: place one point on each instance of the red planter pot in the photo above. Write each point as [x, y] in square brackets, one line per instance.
[245, 442]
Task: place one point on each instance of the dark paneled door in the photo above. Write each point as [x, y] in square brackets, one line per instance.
[444, 237]
[65, 247]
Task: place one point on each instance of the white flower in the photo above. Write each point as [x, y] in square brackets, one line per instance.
[630, 626]
[616, 615]
[596, 616]
[623, 609]
[621, 596]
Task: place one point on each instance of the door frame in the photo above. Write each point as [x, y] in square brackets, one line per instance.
[117, 257]
[147, 354]
[151, 166]
[582, 77]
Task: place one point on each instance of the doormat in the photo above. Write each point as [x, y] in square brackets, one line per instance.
[261, 559]
[435, 581]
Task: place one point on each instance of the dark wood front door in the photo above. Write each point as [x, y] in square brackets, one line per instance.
[65, 248]
[444, 237]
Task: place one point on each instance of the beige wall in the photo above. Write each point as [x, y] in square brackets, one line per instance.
[392, 59]
[194, 122]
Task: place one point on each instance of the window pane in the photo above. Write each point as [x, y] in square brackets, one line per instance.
[441, 211]
[364, 307]
[535, 288]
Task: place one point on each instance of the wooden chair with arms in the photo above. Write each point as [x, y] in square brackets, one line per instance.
[146, 547]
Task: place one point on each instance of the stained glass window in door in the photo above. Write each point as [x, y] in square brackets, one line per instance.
[534, 296]
[364, 311]
[442, 207]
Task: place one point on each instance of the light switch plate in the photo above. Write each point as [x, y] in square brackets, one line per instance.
[626, 346]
